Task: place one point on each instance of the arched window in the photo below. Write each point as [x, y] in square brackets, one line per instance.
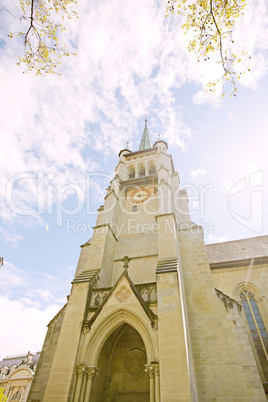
[97, 300]
[152, 168]
[144, 294]
[131, 172]
[153, 295]
[141, 170]
[257, 327]
[16, 396]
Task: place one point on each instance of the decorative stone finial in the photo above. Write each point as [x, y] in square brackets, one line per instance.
[126, 262]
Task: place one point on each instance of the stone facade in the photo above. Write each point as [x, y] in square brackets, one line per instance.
[154, 314]
[16, 376]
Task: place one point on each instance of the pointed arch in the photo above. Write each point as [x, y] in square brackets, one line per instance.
[108, 325]
[246, 285]
[256, 319]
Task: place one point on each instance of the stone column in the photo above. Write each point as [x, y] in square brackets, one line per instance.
[83, 386]
[156, 381]
[80, 372]
[150, 371]
[92, 372]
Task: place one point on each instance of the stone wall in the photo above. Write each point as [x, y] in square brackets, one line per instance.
[38, 387]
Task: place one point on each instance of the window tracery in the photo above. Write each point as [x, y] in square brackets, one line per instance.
[256, 326]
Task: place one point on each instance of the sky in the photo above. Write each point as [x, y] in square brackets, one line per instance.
[60, 137]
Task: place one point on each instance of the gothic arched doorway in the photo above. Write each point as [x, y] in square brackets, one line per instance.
[121, 376]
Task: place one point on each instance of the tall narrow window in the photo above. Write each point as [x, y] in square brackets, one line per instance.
[141, 170]
[131, 172]
[257, 328]
[152, 169]
[16, 396]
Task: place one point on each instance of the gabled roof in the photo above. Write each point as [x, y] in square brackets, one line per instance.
[140, 300]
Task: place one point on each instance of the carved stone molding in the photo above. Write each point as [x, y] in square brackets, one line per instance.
[92, 372]
[80, 368]
[148, 292]
[134, 363]
[155, 325]
[156, 369]
[122, 294]
[152, 369]
[86, 327]
[149, 370]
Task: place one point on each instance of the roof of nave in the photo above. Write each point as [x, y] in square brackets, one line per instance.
[255, 247]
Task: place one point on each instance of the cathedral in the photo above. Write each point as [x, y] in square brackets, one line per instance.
[154, 314]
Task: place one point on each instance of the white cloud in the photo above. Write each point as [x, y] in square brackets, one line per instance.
[17, 283]
[45, 294]
[253, 41]
[23, 325]
[27, 304]
[125, 67]
[10, 237]
[198, 172]
[204, 96]
[215, 239]
[12, 279]
[49, 277]
[131, 61]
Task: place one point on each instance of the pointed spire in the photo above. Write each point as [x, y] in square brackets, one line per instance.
[146, 142]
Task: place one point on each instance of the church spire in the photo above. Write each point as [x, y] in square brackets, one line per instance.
[146, 142]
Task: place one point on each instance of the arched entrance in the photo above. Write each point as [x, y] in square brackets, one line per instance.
[121, 368]
[105, 349]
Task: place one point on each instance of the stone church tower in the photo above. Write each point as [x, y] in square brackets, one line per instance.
[144, 321]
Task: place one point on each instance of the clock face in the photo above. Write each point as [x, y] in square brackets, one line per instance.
[140, 195]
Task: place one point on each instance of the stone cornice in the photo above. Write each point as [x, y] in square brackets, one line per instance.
[139, 181]
[138, 257]
[149, 151]
[238, 263]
